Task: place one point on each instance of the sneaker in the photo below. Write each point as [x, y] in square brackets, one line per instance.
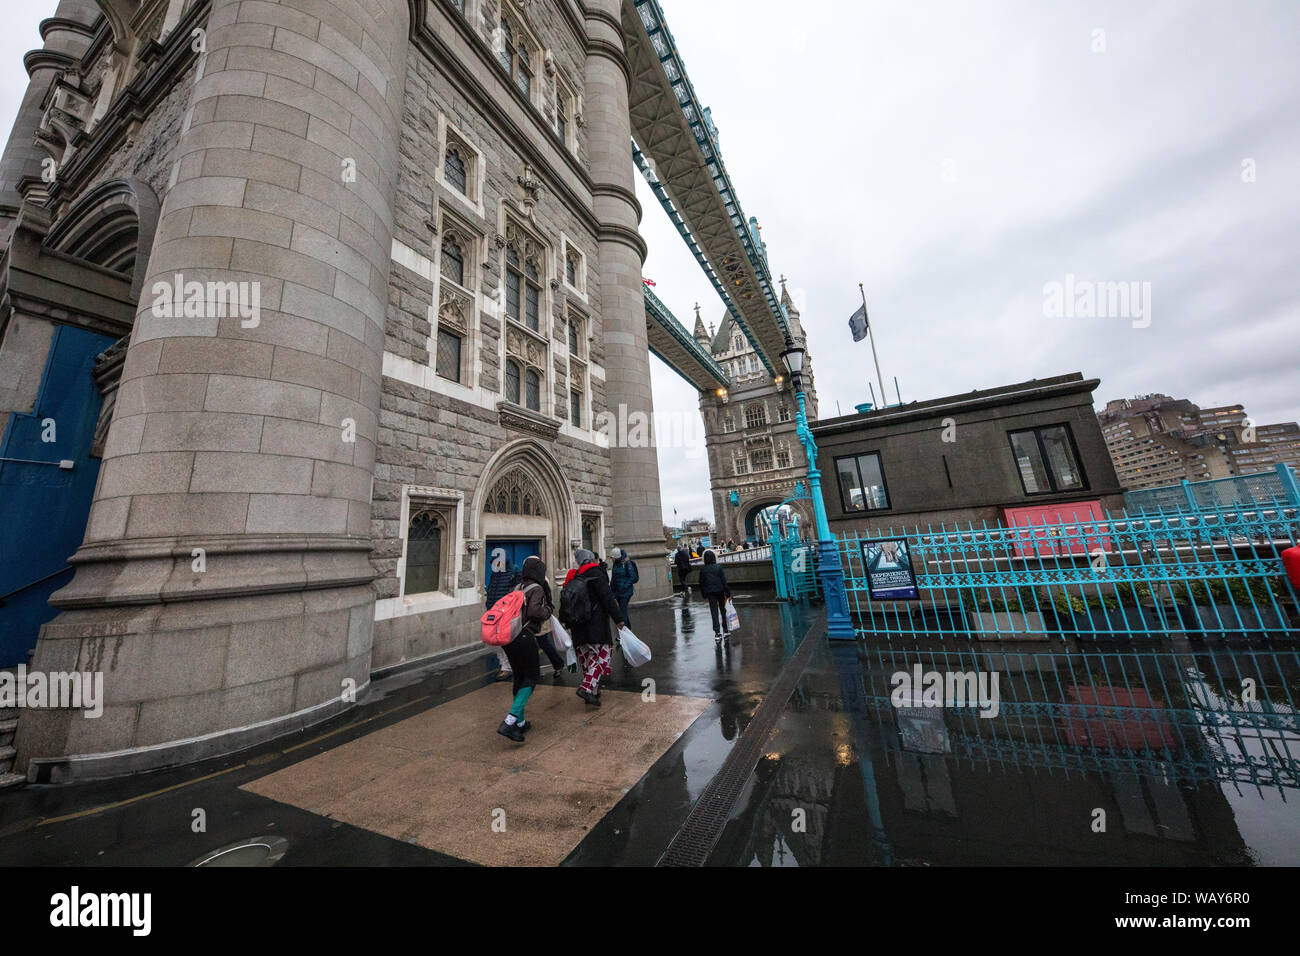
[511, 732]
[503, 675]
[558, 678]
[524, 726]
[589, 697]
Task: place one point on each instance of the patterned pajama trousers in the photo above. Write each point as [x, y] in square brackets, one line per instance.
[594, 659]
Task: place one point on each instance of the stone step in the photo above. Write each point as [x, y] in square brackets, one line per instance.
[8, 780]
[7, 728]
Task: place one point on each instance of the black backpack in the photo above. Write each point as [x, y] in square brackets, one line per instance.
[575, 603]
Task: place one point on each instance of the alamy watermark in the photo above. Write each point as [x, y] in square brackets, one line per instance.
[632, 429]
[178, 299]
[1088, 299]
[921, 688]
[60, 690]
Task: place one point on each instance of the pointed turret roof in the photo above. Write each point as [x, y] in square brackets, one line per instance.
[701, 333]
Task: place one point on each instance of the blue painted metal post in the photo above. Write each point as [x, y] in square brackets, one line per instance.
[839, 625]
[1190, 495]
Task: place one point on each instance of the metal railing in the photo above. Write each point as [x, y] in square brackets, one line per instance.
[1249, 492]
[1228, 715]
[1199, 574]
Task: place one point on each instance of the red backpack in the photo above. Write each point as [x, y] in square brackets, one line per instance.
[505, 620]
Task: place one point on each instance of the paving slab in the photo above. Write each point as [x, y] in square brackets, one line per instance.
[445, 780]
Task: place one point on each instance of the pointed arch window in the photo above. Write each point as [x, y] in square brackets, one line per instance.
[425, 535]
[783, 412]
[515, 493]
[756, 415]
[455, 170]
[453, 260]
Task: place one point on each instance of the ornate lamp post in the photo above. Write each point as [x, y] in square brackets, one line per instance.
[839, 626]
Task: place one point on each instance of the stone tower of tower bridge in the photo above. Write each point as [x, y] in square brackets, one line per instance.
[323, 301]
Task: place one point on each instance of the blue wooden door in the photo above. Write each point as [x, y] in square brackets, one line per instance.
[43, 507]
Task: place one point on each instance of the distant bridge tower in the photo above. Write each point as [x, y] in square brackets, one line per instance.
[750, 431]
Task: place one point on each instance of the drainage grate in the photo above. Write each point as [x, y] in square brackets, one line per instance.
[704, 824]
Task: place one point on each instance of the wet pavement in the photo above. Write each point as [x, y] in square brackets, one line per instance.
[1169, 754]
[154, 819]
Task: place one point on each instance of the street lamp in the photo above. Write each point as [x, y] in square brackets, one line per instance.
[839, 626]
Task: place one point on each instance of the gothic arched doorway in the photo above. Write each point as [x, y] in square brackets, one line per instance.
[522, 507]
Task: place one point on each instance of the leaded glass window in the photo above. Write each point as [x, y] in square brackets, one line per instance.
[575, 408]
[574, 337]
[453, 261]
[448, 361]
[533, 390]
[512, 382]
[755, 415]
[507, 53]
[424, 539]
[454, 169]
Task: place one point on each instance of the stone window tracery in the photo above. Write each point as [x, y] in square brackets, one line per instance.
[515, 493]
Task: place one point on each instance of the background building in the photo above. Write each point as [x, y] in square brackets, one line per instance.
[755, 457]
[1157, 440]
[1033, 448]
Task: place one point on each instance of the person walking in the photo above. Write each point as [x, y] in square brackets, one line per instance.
[546, 638]
[683, 562]
[716, 590]
[587, 605]
[522, 651]
[504, 579]
[622, 581]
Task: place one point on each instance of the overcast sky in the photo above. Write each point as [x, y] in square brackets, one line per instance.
[958, 156]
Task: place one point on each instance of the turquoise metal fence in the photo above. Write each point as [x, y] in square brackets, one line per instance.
[794, 565]
[1264, 490]
[1136, 577]
[1228, 715]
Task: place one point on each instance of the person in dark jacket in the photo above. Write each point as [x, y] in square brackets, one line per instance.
[592, 641]
[683, 561]
[504, 579]
[622, 581]
[714, 587]
[522, 651]
[546, 641]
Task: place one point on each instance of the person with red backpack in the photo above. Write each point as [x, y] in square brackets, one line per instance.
[587, 605]
[522, 651]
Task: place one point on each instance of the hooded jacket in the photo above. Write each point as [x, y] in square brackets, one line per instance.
[603, 606]
[623, 577]
[683, 559]
[501, 583]
[537, 606]
[713, 580]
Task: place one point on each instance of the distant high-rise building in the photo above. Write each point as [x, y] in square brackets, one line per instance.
[1157, 440]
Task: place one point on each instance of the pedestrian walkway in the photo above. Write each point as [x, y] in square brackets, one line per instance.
[411, 776]
[443, 779]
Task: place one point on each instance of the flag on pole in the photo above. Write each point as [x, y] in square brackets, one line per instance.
[649, 281]
[858, 324]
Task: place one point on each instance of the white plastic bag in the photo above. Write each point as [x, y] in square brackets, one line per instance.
[733, 618]
[560, 636]
[570, 657]
[635, 650]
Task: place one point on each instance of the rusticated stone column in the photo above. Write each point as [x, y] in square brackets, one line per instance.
[223, 587]
[638, 518]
